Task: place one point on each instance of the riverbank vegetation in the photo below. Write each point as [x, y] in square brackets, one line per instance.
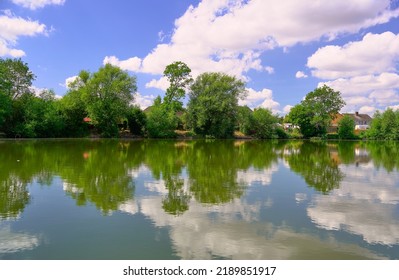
[100, 104]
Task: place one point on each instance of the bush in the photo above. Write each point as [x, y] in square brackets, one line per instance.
[245, 120]
[264, 124]
[385, 125]
[136, 119]
[295, 134]
[346, 128]
[281, 133]
[213, 104]
[161, 122]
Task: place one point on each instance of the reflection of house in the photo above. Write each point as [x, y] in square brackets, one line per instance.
[362, 121]
[357, 155]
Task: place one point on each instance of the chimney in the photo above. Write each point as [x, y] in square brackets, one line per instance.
[357, 113]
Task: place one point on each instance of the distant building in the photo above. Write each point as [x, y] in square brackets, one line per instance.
[362, 121]
[290, 126]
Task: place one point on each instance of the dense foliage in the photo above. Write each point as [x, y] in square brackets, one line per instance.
[137, 120]
[107, 94]
[213, 104]
[346, 128]
[314, 114]
[100, 103]
[103, 97]
[264, 124]
[385, 126]
[178, 75]
[15, 78]
[161, 120]
[245, 120]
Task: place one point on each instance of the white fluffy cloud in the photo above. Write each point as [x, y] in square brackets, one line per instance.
[12, 27]
[374, 54]
[361, 189]
[365, 71]
[69, 81]
[394, 107]
[161, 84]
[143, 101]
[196, 235]
[287, 109]
[229, 36]
[300, 75]
[377, 91]
[35, 4]
[16, 241]
[252, 175]
[132, 64]
[367, 84]
[37, 91]
[263, 98]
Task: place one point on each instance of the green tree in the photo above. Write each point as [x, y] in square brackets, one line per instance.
[5, 109]
[315, 112]
[107, 94]
[15, 77]
[161, 121]
[389, 125]
[73, 110]
[384, 125]
[213, 104]
[265, 123]
[375, 131]
[178, 75]
[346, 128]
[136, 119]
[15, 81]
[36, 116]
[302, 116]
[50, 117]
[245, 120]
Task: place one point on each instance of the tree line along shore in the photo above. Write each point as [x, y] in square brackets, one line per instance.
[101, 104]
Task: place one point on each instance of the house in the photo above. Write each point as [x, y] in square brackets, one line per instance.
[362, 121]
[290, 126]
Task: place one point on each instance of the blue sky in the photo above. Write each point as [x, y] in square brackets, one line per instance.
[282, 49]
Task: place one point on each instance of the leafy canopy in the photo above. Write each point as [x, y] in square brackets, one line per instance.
[316, 111]
[178, 75]
[15, 77]
[346, 127]
[107, 95]
[161, 121]
[213, 104]
[265, 123]
[385, 125]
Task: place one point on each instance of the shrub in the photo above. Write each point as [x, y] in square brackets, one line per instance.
[346, 128]
[136, 119]
[161, 122]
[264, 123]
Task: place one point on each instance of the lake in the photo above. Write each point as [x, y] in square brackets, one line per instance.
[200, 199]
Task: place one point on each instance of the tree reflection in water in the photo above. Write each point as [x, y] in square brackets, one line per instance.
[313, 161]
[209, 171]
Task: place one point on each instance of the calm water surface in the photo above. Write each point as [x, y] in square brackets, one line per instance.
[96, 199]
